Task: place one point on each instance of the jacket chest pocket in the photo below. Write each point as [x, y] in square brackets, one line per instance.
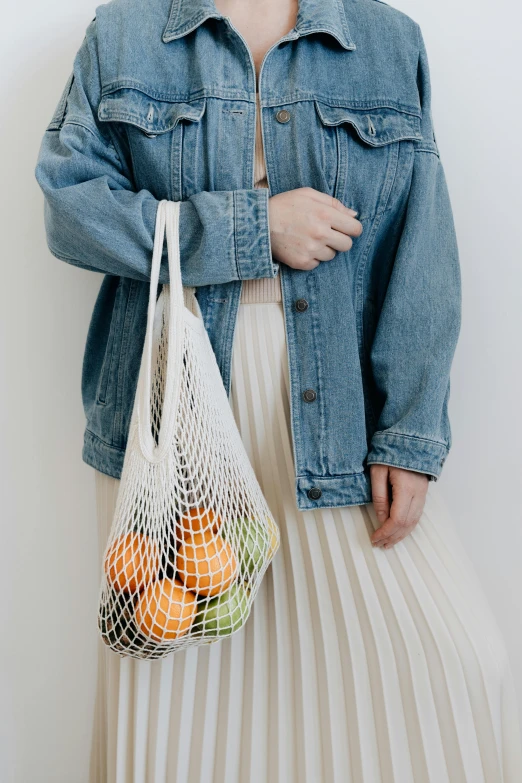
[161, 137]
[370, 154]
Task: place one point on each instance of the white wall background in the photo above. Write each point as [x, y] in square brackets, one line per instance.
[48, 568]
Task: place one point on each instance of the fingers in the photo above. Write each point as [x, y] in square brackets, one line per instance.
[329, 241]
[325, 253]
[326, 242]
[383, 534]
[380, 492]
[400, 522]
[402, 530]
[408, 497]
[340, 217]
[330, 201]
[344, 223]
[342, 241]
[398, 526]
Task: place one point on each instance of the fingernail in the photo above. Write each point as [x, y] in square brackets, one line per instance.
[354, 212]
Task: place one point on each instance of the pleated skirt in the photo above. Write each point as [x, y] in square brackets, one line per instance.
[356, 665]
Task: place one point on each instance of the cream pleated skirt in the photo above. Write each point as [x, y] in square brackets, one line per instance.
[356, 665]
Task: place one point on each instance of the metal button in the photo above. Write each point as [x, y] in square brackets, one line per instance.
[283, 115]
[150, 135]
[301, 305]
[309, 395]
[314, 493]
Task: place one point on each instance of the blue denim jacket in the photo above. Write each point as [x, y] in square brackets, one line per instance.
[161, 104]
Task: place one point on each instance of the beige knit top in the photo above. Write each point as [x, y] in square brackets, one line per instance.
[262, 289]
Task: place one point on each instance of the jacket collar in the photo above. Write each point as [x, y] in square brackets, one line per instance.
[313, 16]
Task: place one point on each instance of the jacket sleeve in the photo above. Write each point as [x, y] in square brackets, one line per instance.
[419, 322]
[95, 218]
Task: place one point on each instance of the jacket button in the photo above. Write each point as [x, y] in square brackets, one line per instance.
[314, 493]
[283, 115]
[301, 305]
[309, 395]
[150, 135]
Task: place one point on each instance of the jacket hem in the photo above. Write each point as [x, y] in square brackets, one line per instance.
[351, 489]
[101, 456]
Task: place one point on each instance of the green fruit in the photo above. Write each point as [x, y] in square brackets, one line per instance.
[252, 547]
[223, 614]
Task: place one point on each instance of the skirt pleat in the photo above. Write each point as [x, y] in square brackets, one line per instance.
[356, 665]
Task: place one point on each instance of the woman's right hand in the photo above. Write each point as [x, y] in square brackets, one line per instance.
[308, 226]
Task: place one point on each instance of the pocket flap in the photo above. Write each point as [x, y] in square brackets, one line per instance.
[149, 114]
[377, 126]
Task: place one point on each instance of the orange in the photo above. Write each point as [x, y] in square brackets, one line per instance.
[131, 562]
[165, 610]
[206, 563]
[199, 520]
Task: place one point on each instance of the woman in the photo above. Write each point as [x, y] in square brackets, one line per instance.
[371, 653]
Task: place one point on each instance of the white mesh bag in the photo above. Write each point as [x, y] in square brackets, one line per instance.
[192, 535]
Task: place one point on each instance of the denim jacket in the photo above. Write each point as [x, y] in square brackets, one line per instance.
[161, 104]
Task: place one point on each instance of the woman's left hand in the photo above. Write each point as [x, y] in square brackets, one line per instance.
[399, 514]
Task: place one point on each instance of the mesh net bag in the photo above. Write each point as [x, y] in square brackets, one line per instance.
[192, 535]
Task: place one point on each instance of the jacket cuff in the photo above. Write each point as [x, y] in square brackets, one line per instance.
[224, 236]
[409, 452]
[252, 235]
